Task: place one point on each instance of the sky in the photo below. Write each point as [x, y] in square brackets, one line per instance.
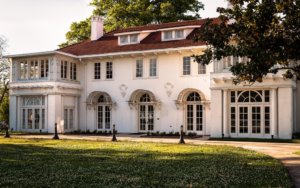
[40, 25]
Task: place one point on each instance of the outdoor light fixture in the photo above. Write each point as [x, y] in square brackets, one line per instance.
[181, 135]
[55, 134]
[6, 132]
[114, 134]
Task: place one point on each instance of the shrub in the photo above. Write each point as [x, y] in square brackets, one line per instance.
[183, 133]
[109, 132]
[176, 133]
[148, 133]
[71, 132]
[79, 131]
[171, 133]
[82, 132]
[190, 134]
[116, 131]
[75, 131]
[157, 132]
[95, 131]
[162, 133]
[88, 131]
[153, 134]
[105, 132]
[99, 132]
[296, 134]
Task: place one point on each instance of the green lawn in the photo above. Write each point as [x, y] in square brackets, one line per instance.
[23, 133]
[257, 140]
[297, 152]
[80, 163]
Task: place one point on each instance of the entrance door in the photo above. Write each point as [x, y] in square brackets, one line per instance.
[104, 118]
[250, 120]
[146, 118]
[194, 117]
[33, 119]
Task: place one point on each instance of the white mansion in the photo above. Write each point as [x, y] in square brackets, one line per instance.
[143, 79]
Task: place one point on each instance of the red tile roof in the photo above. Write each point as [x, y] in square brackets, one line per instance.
[109, 43]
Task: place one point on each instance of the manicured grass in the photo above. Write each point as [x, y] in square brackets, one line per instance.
[257, 140]
[80, 163]
[297, 152]
[23, 133]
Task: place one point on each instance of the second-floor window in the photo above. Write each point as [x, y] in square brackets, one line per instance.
[34, 68]
[186, 65]
[97, 70]
[152, 68]
[68, 70]
[44, 68]
[109, 70]
[23, 69]
[64, 69]
[171, 35]
[201, 69]
[139, 68]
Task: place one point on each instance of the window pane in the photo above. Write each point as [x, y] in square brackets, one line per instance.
[24, 119]
[25, 69]
[109, 70]
[97, 70]
[62, 69]
[201, 69]
[152, 67]
[32, 69]
[71, 71]
[65, 118]
[22, 69]
[139, 68]
[100, 117]
[71, 118]
[107, 117]
[232, 95]
[47, 68]
[267, 96]
[179, 34]
[133, 38]
[43, 118]
[186, 65]
[232, 110]
[65, 69]
[42, 68]
[37, 119]
[123, 39]
[74, 71]
[267, 120]
[29, 118]
[168, 35]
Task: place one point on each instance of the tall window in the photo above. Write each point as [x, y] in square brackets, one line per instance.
[152, 68]
[65, 118]
[233, 118]
[34, 69]
[201, 69]
[139, 68]
[33, 113]
[44, 68]
[68, 118]
[24, 119]
[97, 69]
[72, 71]
[23, 69]
[109, 70]
[267, 120]
[64, 66]
[186, 65]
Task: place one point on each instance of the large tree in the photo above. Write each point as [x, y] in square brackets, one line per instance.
[130, 13]
[266, 31]
[4, 70]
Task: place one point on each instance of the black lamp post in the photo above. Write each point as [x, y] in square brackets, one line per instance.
[181, 141]
[55, 134]
[114, 134]
[6, 132]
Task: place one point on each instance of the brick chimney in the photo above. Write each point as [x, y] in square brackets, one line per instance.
[96, 27]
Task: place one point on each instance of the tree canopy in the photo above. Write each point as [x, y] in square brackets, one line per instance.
[4, 70]
[265, 31]
[130, 13]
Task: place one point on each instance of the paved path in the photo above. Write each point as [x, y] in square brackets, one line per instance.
[281, 151]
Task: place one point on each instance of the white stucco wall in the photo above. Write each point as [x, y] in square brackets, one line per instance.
[216, 123]
[285, 113]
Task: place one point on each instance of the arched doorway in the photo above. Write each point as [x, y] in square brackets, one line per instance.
[102, 104]
[193, 104]
[145, 103]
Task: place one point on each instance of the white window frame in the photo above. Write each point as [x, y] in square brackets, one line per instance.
[182, 66]
[35, 68]
[142, 68]
[173, 35]
[72, 65]
[94, 76]
[149, 66]
[113, 70]
[103, 117]
[201, 68]
[46, 73]
[128, 39]
[68, 118]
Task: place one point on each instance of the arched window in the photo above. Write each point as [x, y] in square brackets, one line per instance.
[194, 97]
[33, 101]
[145, 98]
[101, 99]
[250, 96]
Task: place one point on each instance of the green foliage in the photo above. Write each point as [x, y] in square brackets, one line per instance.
[88, 131]
[296, 134]
[297, 153]
[267, 32]
[176, 133]
[99, 132]
[130, 13]
[78, 163]
[4, 110]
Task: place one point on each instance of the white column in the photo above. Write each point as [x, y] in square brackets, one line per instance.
[46, 113]
[62, 114]
[76, 113]
[274, 125]
[225, 113]
[19, 111]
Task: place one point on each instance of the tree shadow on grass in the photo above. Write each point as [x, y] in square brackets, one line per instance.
[131, 165]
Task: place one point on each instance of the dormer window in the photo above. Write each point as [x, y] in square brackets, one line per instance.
[129, 39]
[173, 35]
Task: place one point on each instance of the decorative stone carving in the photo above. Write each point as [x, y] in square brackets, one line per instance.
[68, 87]
[30, 87]
[123, 89]
[169, 88]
